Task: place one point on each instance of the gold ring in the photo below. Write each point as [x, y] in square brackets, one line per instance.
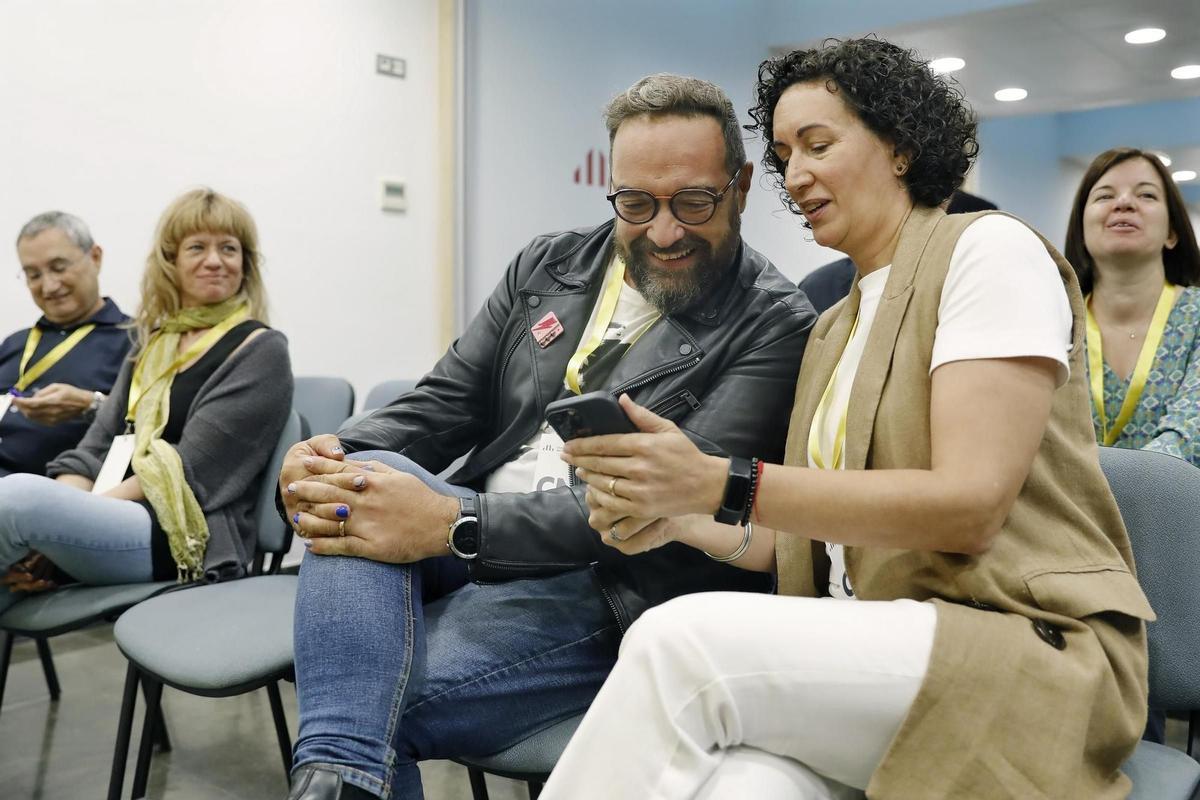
[612, 487]
[341, 527]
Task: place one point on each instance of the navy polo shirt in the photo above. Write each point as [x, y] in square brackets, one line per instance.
[93, 363]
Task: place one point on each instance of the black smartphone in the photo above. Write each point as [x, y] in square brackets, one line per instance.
[591, 414]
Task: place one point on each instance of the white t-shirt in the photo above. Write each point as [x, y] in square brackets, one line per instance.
[537, 466]
[1003, 298]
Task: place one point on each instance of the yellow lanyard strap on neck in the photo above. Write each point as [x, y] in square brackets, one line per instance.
[608, 306]
[818, 424]
[1137, 382]
[138, 385]
[26, 379]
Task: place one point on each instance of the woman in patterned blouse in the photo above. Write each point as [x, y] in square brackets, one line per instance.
[1132, 245]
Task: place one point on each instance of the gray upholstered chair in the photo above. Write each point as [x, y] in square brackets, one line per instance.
[323, 402]
[1159, 497]
[214, 640]
[530, 760]
[386, 392]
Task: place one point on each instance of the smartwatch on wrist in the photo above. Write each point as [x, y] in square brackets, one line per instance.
[463, 536]
[737, 491]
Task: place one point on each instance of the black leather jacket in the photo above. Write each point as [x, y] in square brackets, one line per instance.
[725, 371]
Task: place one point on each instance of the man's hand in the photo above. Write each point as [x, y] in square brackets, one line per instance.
[294, 465]
[55, 403]
[369, 510]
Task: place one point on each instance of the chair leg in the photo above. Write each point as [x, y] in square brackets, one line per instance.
[5, 659]
[116, 780]
[43, 648]
[478, 784]
[281, 730]
[161, 737]
[141, 772]
[535, 789]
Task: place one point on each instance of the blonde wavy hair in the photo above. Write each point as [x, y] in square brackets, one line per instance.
[197, 211]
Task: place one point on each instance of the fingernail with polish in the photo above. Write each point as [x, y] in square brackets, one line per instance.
[359, 481]
[291, 488]
[343, 512]
[296, 518]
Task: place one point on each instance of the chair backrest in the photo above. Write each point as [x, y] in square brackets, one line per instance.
[1159, 498]
[273, 535]
[386, 392]
[323, 402]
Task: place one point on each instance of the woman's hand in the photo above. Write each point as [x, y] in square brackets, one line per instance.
[34, 573]
[632, 536]
[648, 475]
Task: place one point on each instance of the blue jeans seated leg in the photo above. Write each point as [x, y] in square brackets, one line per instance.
[95, 539]
[401, 663]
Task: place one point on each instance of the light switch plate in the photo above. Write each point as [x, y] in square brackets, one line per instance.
[393, 195]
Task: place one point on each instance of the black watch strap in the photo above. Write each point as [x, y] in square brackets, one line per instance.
[737, 491]
[463, 537]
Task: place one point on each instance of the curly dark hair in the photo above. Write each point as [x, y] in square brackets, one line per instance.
[923, 116]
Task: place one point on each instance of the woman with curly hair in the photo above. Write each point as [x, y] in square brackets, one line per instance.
[1132, 245]
[959, 615]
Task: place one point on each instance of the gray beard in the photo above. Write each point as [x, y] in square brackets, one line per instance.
[670, 291]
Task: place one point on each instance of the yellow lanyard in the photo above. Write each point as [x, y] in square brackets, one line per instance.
[138, 385]
[26, 379]
[818, 424]
[1137, 382]
[608, 306]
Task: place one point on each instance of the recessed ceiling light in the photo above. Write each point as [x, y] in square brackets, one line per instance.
[1163, 157]
[947, 64]
[1145, 35]
[1011, 95]
[1184, 175]
[1186, 72]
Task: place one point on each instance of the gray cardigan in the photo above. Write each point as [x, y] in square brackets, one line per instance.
[231, 430]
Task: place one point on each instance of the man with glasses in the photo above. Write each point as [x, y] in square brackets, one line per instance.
[483, 609]
[54, 375]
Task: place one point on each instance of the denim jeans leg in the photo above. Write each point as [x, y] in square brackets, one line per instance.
[96, 539]
[358, 626]
[502, 662]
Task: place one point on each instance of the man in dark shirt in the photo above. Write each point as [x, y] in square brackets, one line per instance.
[54, 375]
[828, 284]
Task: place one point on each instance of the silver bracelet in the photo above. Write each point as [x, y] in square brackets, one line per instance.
[747, 535]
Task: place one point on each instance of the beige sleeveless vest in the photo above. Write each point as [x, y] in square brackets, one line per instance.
[1002, 713]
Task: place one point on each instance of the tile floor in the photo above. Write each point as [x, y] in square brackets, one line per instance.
[224, 749]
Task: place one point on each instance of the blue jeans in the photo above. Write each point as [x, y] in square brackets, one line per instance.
[96, 539]
[397, 663]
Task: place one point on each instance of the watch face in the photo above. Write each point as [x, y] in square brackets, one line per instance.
[466, 537]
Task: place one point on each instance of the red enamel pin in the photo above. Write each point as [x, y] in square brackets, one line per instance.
[546, 330]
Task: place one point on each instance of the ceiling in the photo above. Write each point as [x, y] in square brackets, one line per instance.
[1069, 54]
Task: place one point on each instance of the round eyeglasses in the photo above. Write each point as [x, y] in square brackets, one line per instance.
[690, 206]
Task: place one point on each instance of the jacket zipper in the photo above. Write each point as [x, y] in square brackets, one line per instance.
[504, 366]
[685, 397]
[653, 376]
[612, 605]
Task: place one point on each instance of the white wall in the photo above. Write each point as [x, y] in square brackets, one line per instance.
[112, 108]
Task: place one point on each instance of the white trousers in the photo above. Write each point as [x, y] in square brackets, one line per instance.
[731, 695]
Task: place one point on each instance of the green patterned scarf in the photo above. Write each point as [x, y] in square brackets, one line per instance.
[156, 463]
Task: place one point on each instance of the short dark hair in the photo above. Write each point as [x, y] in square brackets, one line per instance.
[894, 93]
[1181, 263]
[665, 94]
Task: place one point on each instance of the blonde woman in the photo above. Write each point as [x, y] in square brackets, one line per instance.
[162, 484]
